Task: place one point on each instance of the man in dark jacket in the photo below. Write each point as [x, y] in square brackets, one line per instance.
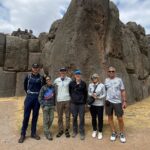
[78, 93]
[32, 85]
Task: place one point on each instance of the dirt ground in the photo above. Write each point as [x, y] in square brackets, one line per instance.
[137, 122]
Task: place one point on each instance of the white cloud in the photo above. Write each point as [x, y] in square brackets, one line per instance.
[38, 15]
[135, 10]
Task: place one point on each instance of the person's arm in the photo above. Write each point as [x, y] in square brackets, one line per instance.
[41, 97]
[102, 93]
[124, 99]
[70, 88]
[26, 84]
[85, 93]
[89, 90]
[54, 96]
[123, 94]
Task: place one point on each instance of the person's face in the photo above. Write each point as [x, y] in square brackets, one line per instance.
[111, 72]
[94, 80]
[77, 76]
[62, 73]
[35, 70]
[48, 81]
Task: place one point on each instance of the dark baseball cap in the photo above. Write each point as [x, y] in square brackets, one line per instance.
[62, 69]
[35, 65]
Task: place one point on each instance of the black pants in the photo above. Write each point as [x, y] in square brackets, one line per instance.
[97, 112]
[78, 110]
[30, 103]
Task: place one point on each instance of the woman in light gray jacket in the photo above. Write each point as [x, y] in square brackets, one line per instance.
[97, 90]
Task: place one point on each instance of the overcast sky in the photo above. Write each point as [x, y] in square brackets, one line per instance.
[38, 15]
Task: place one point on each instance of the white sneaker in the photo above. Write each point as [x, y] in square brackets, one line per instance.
[122, 138]
[113, 136]
[100, 135]
[94, 134]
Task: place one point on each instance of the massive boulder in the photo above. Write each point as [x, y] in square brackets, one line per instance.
[91, 37]
[16, 57]
[8, 83]
[2, 48]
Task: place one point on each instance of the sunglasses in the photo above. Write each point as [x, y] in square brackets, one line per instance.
[111, 71]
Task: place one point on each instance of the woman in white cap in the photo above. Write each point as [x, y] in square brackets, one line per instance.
[97, 90]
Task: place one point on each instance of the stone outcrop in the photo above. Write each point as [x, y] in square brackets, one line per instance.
[90, 37]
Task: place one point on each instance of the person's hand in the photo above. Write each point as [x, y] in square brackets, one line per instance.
[124, 104]
[94, 95]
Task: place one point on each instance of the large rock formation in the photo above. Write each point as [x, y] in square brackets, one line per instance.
[91, 37]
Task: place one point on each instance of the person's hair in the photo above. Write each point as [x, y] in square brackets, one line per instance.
[95, 75]
[48, 76]
[112, 67]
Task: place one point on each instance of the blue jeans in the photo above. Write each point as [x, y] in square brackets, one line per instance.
[78, 110]
[30, 104]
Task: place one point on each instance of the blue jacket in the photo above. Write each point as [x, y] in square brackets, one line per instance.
[33, 83]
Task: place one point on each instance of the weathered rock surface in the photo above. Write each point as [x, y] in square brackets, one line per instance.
[90, 37]
[34, 45]
[33, 58]
[19, 83]
[2, 48]
[16, 57]
[8, 83]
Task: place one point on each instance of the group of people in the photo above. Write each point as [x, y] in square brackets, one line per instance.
[69, 96]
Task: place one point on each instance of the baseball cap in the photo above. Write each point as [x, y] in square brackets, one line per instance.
[35, 65]
[77, 72]
[62, 69]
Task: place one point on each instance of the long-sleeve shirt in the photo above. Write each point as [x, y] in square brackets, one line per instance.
[100, 93]
[62, 89]
[33, 83]
[47, 96]
[78, 92]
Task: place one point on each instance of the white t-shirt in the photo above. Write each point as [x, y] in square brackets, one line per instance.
[113, 89]
[100, 92]
[62, 89]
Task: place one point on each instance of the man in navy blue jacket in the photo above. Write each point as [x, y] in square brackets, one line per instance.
[78, 93]
[32, 85]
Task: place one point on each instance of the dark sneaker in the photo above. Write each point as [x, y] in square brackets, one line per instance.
[36, 137]
[74, 134]
[59, 134]
[49, 137]
[122, 138]
[67, 133]
[82, 136]
[22, 138]
[113, 136]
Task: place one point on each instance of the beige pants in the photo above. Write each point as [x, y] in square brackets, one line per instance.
[63, 107]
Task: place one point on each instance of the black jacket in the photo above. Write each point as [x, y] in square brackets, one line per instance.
[78, 92]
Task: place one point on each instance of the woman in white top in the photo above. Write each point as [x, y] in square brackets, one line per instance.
[97, 107]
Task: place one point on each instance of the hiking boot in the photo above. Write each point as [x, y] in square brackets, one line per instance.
[74, 134]
[82, 136]
[21, 139]
[49, 137]
[36, 137]
[94, 133]
[122, 138]
[67, 133]
[100, 135]
[113, 136]
[59, 134]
